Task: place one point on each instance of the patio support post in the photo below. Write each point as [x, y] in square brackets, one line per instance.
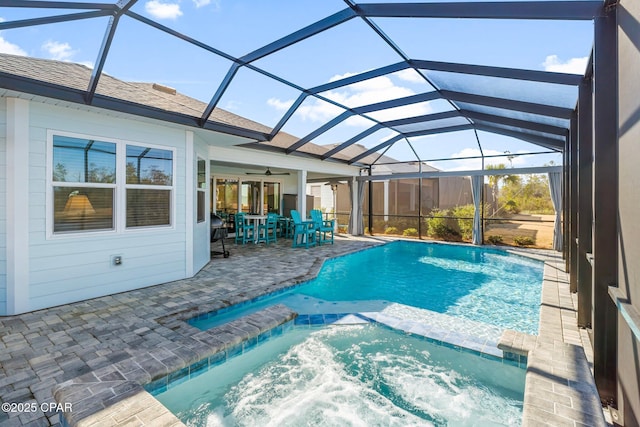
[573, 205]
[605, 202]
[17, 207]
[302, 193]
[585, 147]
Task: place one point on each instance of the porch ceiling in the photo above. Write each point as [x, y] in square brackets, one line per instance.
[532, 105]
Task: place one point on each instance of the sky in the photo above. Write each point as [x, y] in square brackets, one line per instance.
[237, 27]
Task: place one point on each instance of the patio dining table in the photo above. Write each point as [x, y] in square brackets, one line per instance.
[257, 220]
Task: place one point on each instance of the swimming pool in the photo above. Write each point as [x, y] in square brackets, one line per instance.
[350, 375]
[475, 283]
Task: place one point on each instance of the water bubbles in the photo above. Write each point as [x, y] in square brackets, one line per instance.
[358, 376]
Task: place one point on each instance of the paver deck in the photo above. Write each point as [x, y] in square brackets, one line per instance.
[114, 341]
[42, 349]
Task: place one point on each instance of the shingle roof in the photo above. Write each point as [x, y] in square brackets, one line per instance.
[77, 76]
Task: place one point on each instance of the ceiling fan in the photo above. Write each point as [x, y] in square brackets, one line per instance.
[267, 173]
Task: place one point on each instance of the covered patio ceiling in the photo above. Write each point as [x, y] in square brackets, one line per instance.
[530, 105]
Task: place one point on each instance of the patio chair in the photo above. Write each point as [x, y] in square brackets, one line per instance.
[323, 227]
[267, 232]
[244, 230]
[285, 227]
[304, 232]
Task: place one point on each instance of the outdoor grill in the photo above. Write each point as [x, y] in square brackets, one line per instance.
[218, 232]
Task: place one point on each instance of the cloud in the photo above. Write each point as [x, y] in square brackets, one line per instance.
[58, 51]
[10, 48]
[279, 104]
[232, 105]
[202, 3]
[410, 75]
[572, 65]
[160, 10]
[367, 92]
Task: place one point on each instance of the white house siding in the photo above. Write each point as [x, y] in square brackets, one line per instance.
[3, 207]
[63, 269]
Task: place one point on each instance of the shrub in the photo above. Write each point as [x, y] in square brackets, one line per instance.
[412, 232]
[511, 207]
[494, 239]
[391, 230]
[342, 229]
[523, 241]
[465, 225]
[438, 225]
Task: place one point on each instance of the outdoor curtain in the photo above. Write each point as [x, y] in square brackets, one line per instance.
[356, 226]
[476, 192]
[555, 187]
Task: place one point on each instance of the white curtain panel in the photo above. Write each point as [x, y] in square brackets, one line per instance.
[356, 225]
[555, 187]
[354, 211]
[476, 192]
[359, 221]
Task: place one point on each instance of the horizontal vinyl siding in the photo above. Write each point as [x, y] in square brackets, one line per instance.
[3, 207]
[67, 268]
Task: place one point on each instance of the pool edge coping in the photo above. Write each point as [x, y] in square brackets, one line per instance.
[129, 385]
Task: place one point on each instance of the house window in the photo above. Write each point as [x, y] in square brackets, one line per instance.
[149, 184]
[84, 184]
[201, 189]
[101, 186]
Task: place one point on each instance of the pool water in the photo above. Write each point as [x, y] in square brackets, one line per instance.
[479, 284]
[359, 375]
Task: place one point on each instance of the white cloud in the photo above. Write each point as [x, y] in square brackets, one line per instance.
[232, 105]
[572, 65]
[160, 10]
[58, 51]
[10, 48]
[367, 92]
[202, 3]
[279, 104]
[410, 75]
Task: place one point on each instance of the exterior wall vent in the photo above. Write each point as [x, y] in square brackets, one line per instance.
[165, 89]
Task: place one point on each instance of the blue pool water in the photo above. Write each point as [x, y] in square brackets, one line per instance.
[359, 375]
[479, 284]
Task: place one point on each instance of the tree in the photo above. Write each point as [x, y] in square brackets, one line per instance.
[494, 183]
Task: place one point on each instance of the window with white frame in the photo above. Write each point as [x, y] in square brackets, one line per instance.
[201, 189]
[96, 182]
[149, 185]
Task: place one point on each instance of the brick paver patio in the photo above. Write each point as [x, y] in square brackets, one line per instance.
[102, 349]
[41, 349]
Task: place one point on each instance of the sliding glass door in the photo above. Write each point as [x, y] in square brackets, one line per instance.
[271, 194]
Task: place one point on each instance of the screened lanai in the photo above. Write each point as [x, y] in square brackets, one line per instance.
[355, 83]
[442, 89]
[345, 73]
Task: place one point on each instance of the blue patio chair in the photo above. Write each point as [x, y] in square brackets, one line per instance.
[267, 232]
[285, 227]
[323, 227]
[304, 232]
[244, 230]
